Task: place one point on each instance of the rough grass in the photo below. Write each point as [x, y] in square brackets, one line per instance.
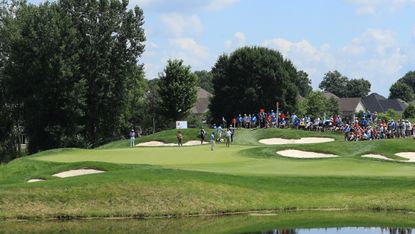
[147, 182]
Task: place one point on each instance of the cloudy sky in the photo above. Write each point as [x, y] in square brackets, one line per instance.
[371, 39]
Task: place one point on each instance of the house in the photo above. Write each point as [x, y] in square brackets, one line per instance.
[373, 102]
[349, 106]
[376, 102]
[202, 102]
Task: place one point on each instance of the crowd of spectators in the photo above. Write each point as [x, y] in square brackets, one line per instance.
[366, 126]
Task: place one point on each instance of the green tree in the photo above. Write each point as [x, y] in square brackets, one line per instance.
[304, 83]
[409, 79]
[409, 112]
[316, 105]
[401, 90]
[251, 78]
[177, 89]
[357, 88]
[42, 76]
[111, 39]
[335, 83]
[332, 106]
[205, 80]
[72, 66]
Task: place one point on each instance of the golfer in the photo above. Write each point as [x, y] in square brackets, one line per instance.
[132, 138]
[212, 141]
[179, 138]
[228, 135]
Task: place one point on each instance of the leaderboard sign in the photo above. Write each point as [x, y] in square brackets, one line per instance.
[181, 124]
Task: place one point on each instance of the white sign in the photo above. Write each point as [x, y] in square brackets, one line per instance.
[181, 124]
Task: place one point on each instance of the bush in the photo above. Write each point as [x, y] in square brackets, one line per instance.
[409, 112]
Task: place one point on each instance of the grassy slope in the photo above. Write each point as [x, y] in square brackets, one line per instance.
[241, 178]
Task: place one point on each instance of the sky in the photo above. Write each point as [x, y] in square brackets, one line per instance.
[370, 39]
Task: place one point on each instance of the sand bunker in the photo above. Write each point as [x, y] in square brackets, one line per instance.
[35, 180]
[304, 154]
[408, 155]
[78, 172]
[305, 140]
[159, 143]
[377, 156]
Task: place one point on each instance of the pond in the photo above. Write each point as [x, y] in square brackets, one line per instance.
[272, 223]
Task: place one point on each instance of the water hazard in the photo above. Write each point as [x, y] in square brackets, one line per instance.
[272, 223]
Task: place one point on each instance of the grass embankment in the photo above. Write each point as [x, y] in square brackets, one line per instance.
[194, 180]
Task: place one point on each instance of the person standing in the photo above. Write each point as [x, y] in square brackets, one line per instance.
[202, 135]
[132, 138]
[232, 132]
[219, 130]
[179, 138]
[228, 135]
[212, 141]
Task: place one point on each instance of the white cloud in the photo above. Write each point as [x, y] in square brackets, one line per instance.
[314, 60]
[179, 24]
[184, 5]
[373, 55]
[413, 34]
[370, 7]
[302, 50]
[216, 5]
[366, 10]
[190, 47]
[238, 40]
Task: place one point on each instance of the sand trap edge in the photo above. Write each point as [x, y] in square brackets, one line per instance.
[377, 156]
[35, 180]
[159, 144]
[290, 153]
[77, 172]
[408, 155]
[303, 140]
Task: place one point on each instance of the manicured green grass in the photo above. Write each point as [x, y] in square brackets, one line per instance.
[194, 180]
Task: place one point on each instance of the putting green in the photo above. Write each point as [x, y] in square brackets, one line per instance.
[237, 160]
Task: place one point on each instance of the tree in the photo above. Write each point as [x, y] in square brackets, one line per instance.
[409, 79]
[251, 78]
[177, 89]
[317, 105]
[332, 106]
[72, 66]
[304, 83]
[335, 83]
[111, 39]
[357, 88]
[409, 112]
[205, 80]
[402, 91]
[400, 88]
[342, 87]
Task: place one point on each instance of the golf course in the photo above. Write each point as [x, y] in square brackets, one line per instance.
[248, 177]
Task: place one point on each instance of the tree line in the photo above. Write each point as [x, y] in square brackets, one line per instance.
[70, 76]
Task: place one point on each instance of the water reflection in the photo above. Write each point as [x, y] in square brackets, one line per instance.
[312, 222]
[339, 230]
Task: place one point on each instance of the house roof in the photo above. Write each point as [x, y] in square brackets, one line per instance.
[395, 104]
[329, 95]
[348, 104]
[202, 103]
[375, 102]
